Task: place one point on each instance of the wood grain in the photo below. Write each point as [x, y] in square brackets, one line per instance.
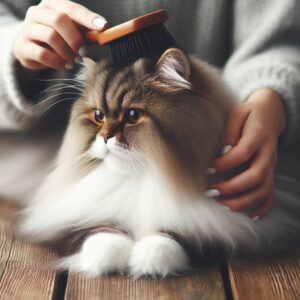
[24, 273]
[5, 245]
[276, 280]
[206, 284]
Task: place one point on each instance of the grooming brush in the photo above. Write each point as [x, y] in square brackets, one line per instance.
[145, 36]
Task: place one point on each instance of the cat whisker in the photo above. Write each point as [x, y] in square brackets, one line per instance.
[43, 106]
[63, 82]
[60, 79]
[85, 159]
[91, 164]
[70, 80]
[53, 104]
[85, 164]
[60, 87]
[131, 157]
[48, 99]
[75, 161]
[136, 162]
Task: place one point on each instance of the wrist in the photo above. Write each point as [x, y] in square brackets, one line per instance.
[272, 102]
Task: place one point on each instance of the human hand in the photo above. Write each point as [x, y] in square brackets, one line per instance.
[253, 130]
[52, 35]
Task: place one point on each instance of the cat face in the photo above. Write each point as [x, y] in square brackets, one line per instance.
[160, 114]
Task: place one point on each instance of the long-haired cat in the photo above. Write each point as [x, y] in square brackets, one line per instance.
[127, 192]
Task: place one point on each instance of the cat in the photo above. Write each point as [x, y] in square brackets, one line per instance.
[127, 191]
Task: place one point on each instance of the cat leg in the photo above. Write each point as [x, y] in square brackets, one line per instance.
[158, 255]
[101, 253]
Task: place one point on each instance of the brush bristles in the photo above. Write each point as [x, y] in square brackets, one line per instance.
[149, 42]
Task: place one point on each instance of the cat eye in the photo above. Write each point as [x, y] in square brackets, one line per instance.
[98, 115]
[132, 116]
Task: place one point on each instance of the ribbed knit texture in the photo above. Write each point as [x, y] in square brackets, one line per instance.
[255, 42]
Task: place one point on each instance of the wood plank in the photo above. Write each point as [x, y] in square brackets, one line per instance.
[276, 280]
[206, 284]
[5, 245]
[23, 270]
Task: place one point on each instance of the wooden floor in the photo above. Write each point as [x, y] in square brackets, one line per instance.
[25, 274]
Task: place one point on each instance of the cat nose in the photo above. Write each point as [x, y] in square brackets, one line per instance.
[109, 130]
[106, 137]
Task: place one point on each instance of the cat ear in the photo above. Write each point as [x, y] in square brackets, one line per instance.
[88, 66]
[141, 67]
[174, 66]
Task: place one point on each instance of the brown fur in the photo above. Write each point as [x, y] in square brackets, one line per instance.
[183, 109]
[181, 128]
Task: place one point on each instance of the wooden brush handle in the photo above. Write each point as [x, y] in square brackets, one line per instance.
[116, 32]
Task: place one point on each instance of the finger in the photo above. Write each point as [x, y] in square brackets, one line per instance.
[263, 209]
[250, 199]
[47, 35]
[78, 13]
[32, 65]
[64, 26]
[234, 126]
[252, 177]
[34, 52]
[242, 152]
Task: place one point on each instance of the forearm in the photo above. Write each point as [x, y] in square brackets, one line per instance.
[266, 56]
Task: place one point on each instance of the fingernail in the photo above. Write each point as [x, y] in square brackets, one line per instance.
[78, 59]
[210, 171]
[256, 218]
[212, 193]
[99, 22]
[83, 52]
[69, 66]
[226, 149]
[226, 207]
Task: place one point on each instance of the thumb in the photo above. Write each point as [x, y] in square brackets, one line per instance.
[235, 124]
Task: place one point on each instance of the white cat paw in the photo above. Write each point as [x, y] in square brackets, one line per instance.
[101, 253]
[157, 255]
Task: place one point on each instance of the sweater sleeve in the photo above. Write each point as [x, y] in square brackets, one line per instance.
[18, 87]
[12, 110]
[266, 54]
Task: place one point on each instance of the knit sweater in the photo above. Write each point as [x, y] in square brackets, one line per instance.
[256, 44]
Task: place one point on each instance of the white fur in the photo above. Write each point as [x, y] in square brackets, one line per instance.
[117, 158]
[101, 253]
[142, 202]
[122, 191]
[98, 148]
[157, 255]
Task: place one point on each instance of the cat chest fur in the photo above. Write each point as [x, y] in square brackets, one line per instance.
[143, 202]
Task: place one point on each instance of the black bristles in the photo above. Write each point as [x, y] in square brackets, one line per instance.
[149, 42]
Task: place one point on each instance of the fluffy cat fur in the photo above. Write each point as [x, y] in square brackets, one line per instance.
[127, 197]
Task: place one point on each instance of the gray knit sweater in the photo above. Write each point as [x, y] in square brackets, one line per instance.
[255, 42]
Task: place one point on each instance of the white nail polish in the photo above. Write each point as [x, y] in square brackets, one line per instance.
[212, 193]
[226, 149]
[78, 59]
[98, 22]
[69, 66]
[210, 171]
[83, 52]
[256, 218]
